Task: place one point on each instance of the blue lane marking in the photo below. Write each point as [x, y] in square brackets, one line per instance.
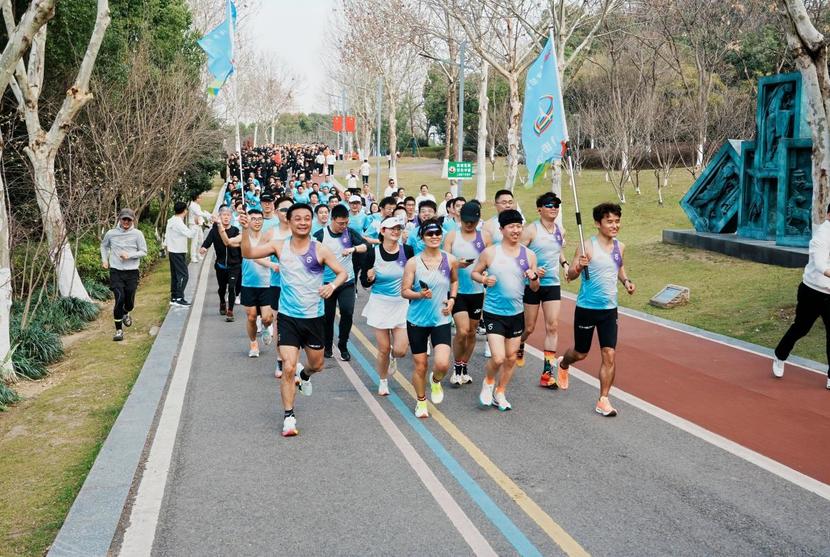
[510, 531]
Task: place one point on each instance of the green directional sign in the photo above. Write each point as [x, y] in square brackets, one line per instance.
[459, 169]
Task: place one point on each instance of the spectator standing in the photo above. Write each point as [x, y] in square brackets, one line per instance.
[365, 171]
[424, 195]
[331, 159]
[121, 251]
[176, 235]
[196, 219]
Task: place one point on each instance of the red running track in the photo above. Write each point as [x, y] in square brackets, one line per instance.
[722, 388]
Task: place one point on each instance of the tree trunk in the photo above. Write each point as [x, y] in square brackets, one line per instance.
[256, 132]
[556, 178]
[393, 133]
[46, 194]
[513, 133]
[6, 369]
[273, 130]
[481, 148]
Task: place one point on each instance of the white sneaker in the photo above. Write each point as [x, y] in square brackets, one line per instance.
[383, 387]
[501, 401]
[297, 373]
[455, 379]
[278, 370]
[466, 379]
[305, 386]
[289, 427]
[828, 382]
[393, 366]
[267, 334]
[436, 391]
[421, 410]
[254, 351]
[258, 325]
[486, 396]
[777, 367]
[487, 350]
[429, 349]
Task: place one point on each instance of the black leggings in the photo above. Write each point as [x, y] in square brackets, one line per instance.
[178, 274]
[343, 297]
[811, 305]
[123, 285]
[227, 279]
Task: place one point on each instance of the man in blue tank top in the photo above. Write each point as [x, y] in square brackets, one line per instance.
[300, 324]
[596, 304]
[546, 240]
[505, 269]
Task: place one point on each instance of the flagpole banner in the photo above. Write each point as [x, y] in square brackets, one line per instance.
[544, 129]
[218, 45]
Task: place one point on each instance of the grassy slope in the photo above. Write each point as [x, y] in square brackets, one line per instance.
[745, 300]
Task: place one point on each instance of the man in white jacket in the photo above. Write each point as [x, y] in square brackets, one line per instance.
[176, 235]
[196, 219]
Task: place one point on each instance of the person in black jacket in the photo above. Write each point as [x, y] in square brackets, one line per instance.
[228, 264]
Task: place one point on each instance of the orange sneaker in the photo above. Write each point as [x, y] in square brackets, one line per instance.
[520, 355]
[548, 381]
[604, 407]
[562, 378]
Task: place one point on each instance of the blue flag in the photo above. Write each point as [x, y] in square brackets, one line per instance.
[544, 129]
[218, 45]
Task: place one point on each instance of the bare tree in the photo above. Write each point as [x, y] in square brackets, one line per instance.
[481, 149]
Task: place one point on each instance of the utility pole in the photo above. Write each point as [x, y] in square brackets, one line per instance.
[461, 68]
[343, 119]
[379, 101]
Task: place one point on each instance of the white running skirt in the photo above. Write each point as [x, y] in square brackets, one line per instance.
[385, 312]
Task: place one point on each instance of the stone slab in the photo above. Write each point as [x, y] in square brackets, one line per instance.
[760, 251]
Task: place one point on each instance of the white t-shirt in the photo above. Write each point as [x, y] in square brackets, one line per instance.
[351, 181]
[390, 191]
[424, 198]
[331, 159]
[365, 169]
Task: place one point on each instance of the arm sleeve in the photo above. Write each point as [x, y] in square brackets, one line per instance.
[820, 249]
[105, 248]
[141, 246]
[366, 263]
[184, 229]
[209, 238]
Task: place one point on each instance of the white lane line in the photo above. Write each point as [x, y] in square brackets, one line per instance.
[702, 334]
[141, 532]
[477, 542]
[782, 471]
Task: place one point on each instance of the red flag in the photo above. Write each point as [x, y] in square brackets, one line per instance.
[337, 124]
[350, 124]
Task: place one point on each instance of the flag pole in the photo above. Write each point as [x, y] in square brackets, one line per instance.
[566, 153]
[231, 30]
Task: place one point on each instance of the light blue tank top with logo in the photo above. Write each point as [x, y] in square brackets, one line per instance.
[337, 245]
[505, 297]
[255, 275]
[426, 312]
[600, 290]
[466, 249]
[388, 274]
[302, 277]
[372, 227]
[547, 246]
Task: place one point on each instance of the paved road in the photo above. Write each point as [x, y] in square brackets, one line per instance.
[548, 478]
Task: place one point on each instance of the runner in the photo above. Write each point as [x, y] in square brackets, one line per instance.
[228, 263]
[256, 282]
[430, 281]
[321, 218]
[507, 266]
[383, 268]
[504, 201]
[426, 211]
[466, 244]
[596, 303]
[373, 223]
[121, 251]
[299, 325]
[546, 239]
[343, 242]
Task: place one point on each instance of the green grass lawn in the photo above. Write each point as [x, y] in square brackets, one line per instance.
[738, 298]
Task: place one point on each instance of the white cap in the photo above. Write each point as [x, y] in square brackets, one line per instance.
[354, 198]
[391, 222]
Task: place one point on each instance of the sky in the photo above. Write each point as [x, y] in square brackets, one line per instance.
[292, 30]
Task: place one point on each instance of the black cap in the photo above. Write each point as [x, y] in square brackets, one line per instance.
[267, 196]
[509, 216]
[470, 212]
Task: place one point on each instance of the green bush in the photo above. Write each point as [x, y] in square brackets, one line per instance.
[7, 396]
[36, 344]
[88, 260]
[97, 291]
[28, 368]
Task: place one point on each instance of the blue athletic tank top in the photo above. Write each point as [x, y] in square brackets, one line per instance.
[416, 241]
[358, 222]
[388, 274]
[337, 245]
[302, 277]
[465, 249]
[547, 246]
[449, 224]
[505, 297]
[372, 227]
[427, 312]
[255, 275]
[600, 291]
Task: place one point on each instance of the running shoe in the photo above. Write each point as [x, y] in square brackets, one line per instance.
[455, 379]
[266, 335]
[604, 407]
[383, 387]
[222, 308]
[562, 378]
[520, 355]
[465, 378]
[327, 353]
[777, 367]
[548, 381]
[500, 401]
[421, 410]
[487, 353]
[289, 427]
[299, 369]
[278, 370]
[437, 391]
[393, 366]
[480, 330]
[181, 302]
[486, 396]
[828, 382]
[119, 335]
[229, 316]
[305, 385]
[344, 355]
[429, 349]
[127, 320]
[254, 351]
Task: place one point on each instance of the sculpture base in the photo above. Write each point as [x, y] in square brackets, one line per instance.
[760, 251]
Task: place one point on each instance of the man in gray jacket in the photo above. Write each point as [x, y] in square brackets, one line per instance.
[121, 251]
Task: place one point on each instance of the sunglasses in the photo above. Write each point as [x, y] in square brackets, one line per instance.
[432, 234]
[551, 205]
[283, 210]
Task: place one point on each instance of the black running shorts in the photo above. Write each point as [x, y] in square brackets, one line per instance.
[586, 320]
[469, 303]
[275, 297]
[302, 333]
[508, 326]
[252, 296]
[550, 293]
[127, 280]
[418, 336]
